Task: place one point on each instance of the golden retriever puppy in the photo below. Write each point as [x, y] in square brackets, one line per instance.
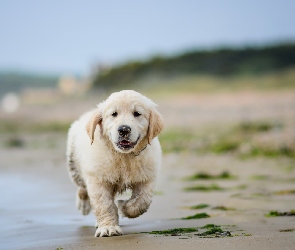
[111, 149]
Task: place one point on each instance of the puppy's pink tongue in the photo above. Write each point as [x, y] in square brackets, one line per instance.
[124, 142]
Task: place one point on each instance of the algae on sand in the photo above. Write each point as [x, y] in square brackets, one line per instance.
[223, 208]
[287, 230]
[214, 231]
[206, 176]
[211, 231]
[196, 216]
[199, 206]
[274, 213]
[209, 226]
[203, 188]
[175, 231]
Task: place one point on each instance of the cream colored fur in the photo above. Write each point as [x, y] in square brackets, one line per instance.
[102, 169]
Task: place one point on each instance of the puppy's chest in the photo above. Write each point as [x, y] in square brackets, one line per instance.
[128, 171]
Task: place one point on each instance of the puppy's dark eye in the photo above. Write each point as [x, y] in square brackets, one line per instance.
[136, 114]
[114, 114]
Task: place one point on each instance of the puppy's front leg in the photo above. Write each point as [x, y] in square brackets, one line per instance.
[139, 202]
[102, 200]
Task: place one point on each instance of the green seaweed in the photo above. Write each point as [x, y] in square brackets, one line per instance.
[206, 176]
[203, 188]
[209, 226]
[211, 231]
[175, 231]
[274, 213]
[223, 208]
[199, 206]
[196, 216]
[287, 230]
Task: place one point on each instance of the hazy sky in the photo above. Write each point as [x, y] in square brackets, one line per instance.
[70, 36]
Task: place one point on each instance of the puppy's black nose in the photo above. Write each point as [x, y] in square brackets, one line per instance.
[124, 130]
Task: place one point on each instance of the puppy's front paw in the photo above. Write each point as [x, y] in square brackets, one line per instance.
[83, 205]
[108, 231]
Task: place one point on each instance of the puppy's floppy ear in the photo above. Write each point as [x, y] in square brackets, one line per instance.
[95, 119]
[155, 125]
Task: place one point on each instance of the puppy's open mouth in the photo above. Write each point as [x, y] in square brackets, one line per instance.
[126, 144]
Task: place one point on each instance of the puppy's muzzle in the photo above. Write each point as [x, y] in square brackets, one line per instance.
[124, 130]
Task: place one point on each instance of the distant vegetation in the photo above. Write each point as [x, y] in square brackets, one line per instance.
[15, 82]
[219, 62]
[204, 70]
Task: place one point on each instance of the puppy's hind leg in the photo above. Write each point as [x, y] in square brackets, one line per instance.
[82, 198]
[82, 201]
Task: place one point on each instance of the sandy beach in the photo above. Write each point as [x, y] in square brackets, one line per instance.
[37, 208]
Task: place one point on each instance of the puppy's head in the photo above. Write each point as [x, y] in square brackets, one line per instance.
[126, 119]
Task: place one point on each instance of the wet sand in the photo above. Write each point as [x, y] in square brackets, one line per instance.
[37, 208]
